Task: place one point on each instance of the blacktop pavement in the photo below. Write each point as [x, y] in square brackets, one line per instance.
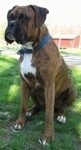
[71, 60]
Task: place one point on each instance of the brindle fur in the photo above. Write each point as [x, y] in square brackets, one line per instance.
[51, 88]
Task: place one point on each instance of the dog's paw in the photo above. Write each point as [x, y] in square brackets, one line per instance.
[43, 142]
[47, 138]
[28, 114]
[61, 119]
[17, 127]
[19, 124]
[32, 111]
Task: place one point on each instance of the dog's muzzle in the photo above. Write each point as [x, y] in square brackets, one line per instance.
[15, 32]
[10, 34]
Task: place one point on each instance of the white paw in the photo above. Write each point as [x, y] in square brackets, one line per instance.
[43, 142]
[14, 129]
[28, 114]
[61, 119]
[17, 127]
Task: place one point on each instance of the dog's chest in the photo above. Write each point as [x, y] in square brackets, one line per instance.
[26, 65]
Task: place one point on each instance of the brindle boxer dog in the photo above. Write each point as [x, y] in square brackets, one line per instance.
[43, 71]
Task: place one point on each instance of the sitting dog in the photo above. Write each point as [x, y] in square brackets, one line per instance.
[43, 71]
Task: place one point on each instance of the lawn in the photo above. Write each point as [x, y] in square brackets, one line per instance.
[67, 136]
[71, 51]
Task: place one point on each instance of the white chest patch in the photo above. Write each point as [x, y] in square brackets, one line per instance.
[25, 66]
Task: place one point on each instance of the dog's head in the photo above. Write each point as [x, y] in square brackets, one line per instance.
[23, 21]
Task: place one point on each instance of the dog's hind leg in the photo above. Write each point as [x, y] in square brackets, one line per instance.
[35, 108]
[63, 101]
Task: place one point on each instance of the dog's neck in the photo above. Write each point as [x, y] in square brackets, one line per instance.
[28, 45]
[28, 48]
[39, 34]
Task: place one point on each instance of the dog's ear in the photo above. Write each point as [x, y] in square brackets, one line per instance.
[40, 14]
[10, 11]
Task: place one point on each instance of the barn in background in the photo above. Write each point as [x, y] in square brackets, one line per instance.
[67, 41]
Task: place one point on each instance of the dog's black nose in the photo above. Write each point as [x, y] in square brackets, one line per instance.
[11, 24]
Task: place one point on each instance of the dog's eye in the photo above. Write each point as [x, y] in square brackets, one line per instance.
[23, 18]
[11, 17]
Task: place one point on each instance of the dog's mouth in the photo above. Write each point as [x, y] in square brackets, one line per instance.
[11, 37]
[18, 37]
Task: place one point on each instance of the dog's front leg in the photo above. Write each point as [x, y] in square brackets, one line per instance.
[49, 100]
[24, 100]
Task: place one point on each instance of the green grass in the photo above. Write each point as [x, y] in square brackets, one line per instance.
[71, 51]
[67, 136]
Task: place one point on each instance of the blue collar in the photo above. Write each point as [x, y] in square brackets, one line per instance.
[39, 46]
[43, 42]
[24, 51]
